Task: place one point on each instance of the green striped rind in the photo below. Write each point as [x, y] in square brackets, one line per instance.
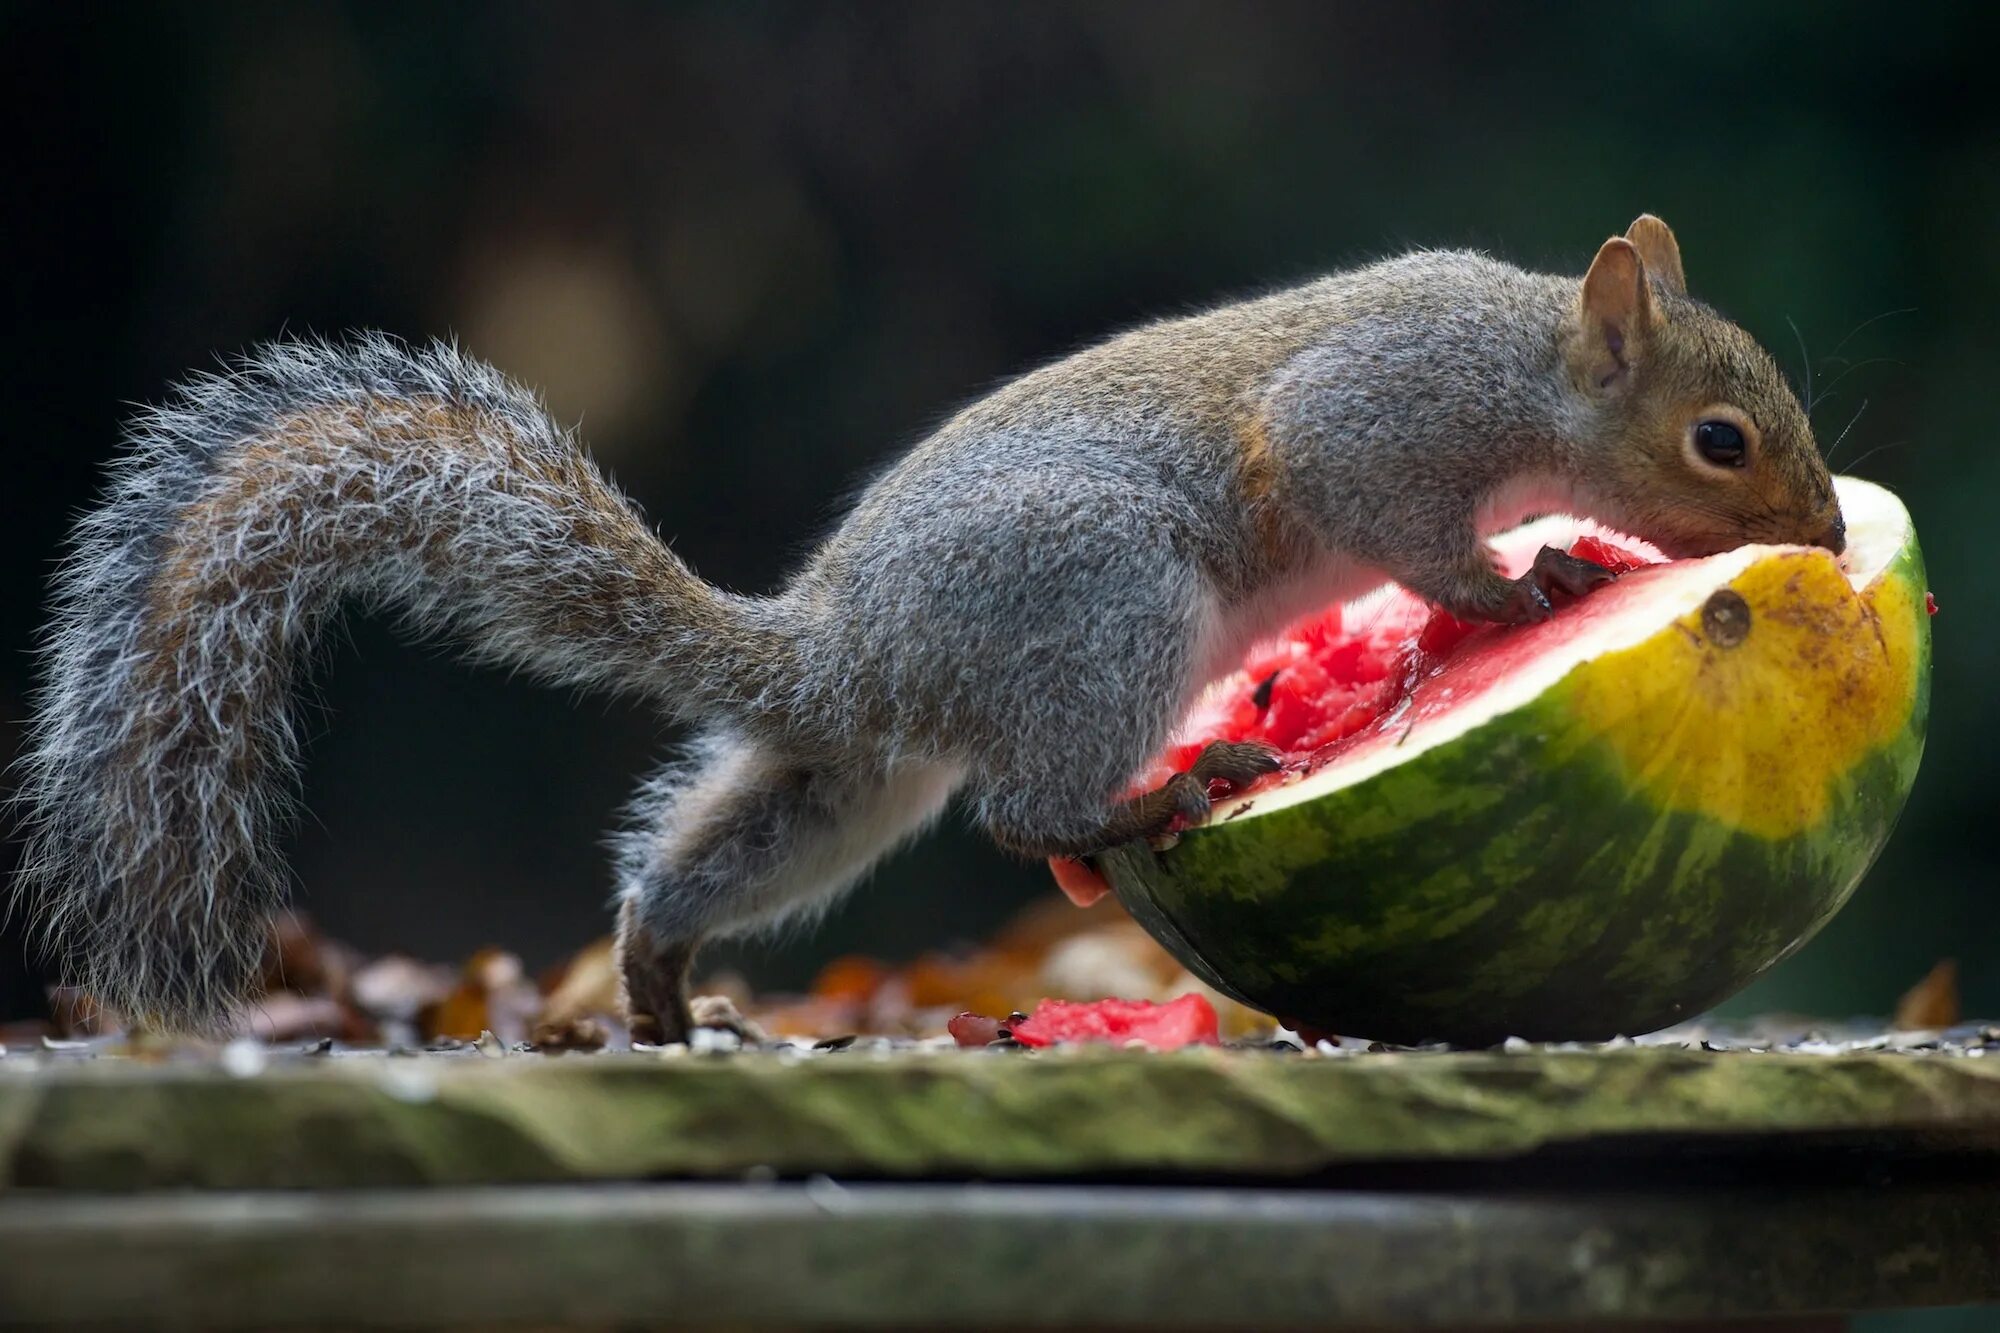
[1507, 884]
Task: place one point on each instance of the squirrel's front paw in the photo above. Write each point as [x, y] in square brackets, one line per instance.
[1180, 802]
[1559, 571]
[1491, 596]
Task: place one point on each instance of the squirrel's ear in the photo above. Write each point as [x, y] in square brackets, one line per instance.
[1660, 251]
[1614, 315]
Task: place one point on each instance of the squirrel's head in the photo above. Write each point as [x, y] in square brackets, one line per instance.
[1699, 442]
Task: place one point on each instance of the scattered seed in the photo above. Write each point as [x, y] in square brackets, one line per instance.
[1260, 698]
[714, 1041]
[244, 1058]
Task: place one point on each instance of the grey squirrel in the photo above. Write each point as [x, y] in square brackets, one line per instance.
[1016, 614]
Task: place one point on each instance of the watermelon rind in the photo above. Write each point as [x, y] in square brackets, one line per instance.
[1608, 843]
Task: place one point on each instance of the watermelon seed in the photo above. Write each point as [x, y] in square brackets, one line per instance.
[1260, 698]
[1726, 618]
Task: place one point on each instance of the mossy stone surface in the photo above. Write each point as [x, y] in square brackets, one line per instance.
[372, 1120]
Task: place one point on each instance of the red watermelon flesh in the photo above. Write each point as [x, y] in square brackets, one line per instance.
[1353, 676]
[1187, 1021]
[1357, 676]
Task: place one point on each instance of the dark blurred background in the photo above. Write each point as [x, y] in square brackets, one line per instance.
[756, 248]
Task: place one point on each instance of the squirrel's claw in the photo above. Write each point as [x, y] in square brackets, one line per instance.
[1239, 763]
[1527, 604]
[1530, 597]
[1556, 570]
[1182, 800]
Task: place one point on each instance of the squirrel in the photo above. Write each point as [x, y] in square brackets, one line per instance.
[1016, 614]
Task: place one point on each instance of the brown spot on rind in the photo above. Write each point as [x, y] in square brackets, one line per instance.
[1725, 618]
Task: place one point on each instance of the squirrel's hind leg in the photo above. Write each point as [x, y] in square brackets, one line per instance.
[735, 837]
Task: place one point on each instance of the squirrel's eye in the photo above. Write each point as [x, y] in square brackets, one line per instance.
[1720, 443]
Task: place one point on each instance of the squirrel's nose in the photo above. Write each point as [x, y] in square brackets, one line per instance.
[1834, 538]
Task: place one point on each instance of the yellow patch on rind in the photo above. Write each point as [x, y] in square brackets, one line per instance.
[1758, 735]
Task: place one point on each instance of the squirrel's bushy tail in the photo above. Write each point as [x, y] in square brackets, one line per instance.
[162, 759]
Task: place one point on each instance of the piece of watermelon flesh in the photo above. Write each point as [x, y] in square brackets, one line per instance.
[1187, 1021]
[1344, 678]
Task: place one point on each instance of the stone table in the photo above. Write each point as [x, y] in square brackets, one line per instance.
[1683, 1179]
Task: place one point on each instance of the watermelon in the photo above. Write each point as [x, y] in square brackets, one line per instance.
[1600, 824]
[1187, 1021]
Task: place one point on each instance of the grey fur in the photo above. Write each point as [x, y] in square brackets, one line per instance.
[161, 759]
[1018, 611]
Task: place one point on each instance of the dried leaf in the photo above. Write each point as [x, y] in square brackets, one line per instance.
[1932, 1003]
[815, 1017]
[493, 970]
[461, 1015]
[1118, 959]
[299, 959]
[492, 992]
[396, 988]
[284, 1016]
[587, 988]
[850, 978]
[75, 1013]
[576, 1034]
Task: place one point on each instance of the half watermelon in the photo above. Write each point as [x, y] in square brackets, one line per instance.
[1601, 824]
